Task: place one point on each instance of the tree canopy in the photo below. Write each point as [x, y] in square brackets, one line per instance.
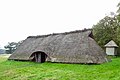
[108, 29]
[12, 46]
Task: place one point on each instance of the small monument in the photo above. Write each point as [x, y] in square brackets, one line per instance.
[111, 48]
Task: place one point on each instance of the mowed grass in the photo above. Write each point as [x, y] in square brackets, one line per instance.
[18, 70]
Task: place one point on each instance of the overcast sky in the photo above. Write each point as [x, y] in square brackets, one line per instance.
[22, 18]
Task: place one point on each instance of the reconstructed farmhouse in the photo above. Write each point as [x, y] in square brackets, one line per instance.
[70, 47]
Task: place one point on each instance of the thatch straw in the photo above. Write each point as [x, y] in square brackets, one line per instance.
[70, 47]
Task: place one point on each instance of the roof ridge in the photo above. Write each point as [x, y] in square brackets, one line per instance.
[111, 43]
[65, 33]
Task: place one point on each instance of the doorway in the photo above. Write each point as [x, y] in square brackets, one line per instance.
[39, 57]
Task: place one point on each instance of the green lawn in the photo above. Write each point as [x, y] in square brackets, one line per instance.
[17, 70]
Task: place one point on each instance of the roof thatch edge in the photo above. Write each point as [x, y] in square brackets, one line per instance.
[65, 33]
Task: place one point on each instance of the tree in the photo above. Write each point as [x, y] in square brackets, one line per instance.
[107, 29]
[12, 46]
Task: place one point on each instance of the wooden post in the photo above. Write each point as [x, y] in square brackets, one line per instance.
[39, 57]
[36, 58]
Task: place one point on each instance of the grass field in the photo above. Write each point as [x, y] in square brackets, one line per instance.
[17, 70]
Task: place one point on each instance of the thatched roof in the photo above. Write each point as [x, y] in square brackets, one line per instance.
[111, 44]
[70, 47]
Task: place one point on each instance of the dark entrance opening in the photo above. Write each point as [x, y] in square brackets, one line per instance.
[39, 57]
